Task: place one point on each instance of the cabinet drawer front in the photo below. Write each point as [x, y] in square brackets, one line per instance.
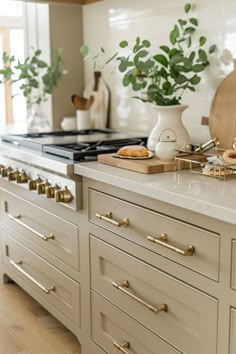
[232, 331]
[144, 223]
[55, 235]
[233, 265]
[59, 290]
[111, 327]
[190, 324]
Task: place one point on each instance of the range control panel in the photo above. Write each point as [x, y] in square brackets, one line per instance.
[46, 184]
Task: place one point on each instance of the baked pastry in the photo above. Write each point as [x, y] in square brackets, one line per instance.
[230, 157]
[133, 151]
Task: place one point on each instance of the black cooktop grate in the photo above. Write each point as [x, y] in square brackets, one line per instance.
[88, 151]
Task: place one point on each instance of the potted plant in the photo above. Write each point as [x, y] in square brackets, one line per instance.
[162, 78]
[37, 81]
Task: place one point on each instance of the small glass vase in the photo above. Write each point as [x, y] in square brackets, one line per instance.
[37, 121]
[169, 117]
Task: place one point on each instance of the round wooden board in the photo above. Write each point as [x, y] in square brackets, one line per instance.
[222, 121]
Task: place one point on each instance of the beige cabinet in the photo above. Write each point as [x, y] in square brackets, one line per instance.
[56, 238]
[233, 331]
[112, 329]
[58, 289]
[181, 315]
[161, 234]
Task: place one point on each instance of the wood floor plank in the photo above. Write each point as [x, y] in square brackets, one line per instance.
[32, 329]
[9, 343]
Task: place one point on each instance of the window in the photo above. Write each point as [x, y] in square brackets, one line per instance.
[22, 26]
[12, 110]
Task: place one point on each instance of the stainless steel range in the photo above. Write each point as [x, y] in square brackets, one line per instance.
[24, 163]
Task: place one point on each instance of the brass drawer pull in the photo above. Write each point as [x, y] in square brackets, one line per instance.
[19, 222]
[125, 284]
[163, 242]
[17, 266]
[122, 347]
[108, 218]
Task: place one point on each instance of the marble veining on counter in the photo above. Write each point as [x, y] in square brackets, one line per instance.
[205, 195]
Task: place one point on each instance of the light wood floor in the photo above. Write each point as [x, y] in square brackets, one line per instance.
[27, 328]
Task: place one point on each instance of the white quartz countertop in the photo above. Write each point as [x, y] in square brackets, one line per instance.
[202, 194]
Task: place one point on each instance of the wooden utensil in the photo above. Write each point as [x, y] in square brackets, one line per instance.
[82, 103]
[222, 120]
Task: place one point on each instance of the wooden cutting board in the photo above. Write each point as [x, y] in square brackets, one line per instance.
[222, 120]
[153, 165]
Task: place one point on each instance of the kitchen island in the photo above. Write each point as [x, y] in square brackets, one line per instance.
[133, 263]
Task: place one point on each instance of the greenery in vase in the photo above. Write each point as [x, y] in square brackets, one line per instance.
[163, 77]
[37, 78]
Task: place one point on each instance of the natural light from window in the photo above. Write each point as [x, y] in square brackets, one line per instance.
[11, 8]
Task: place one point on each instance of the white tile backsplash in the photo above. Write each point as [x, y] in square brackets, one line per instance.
[108, 22]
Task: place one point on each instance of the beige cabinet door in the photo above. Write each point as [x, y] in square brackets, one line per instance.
[232, 331]
[58, 289]
[147, 227]
[190, 320]
[111, 329]
[39, 227]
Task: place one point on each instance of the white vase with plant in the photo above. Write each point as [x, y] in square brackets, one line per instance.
[163, 78]
[37, 81]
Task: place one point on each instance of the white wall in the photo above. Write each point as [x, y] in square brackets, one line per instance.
[110, 21]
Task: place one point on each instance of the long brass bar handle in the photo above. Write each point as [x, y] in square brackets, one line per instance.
[17, 220]
[122, 347]
[125, 284]
[163, 242]
[17, 266]
[108, 218]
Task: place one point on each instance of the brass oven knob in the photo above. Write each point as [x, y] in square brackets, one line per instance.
[12, 175]
[5, 170]
[50, 191]
[32, 184]
[1, 166]
[63, 196]
[41, 187]
[22, 177]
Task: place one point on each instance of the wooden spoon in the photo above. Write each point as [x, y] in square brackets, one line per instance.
[80, 103]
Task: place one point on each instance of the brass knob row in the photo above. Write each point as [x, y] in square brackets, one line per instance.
[38, 185]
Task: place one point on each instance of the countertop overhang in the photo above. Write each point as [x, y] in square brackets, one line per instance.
[185, 189]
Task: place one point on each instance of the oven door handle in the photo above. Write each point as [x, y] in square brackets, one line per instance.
[17, 220]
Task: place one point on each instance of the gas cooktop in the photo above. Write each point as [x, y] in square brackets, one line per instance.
[77, 145]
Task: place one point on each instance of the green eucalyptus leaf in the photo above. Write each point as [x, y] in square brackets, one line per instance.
[123, 44]
[146, 43]
[102, 50]
[195, 80]
[165, 49]
[177, 58]
[192, 56]
[198, 68]
[193, 21]
[189, 30]
[84, 50]
[174, 52]
[182, 79]
[212, 49]
[202, 55]
[191, 88]
[42, 64]
[189, 41]
[126, 80]
[161, 59]
[187, 8]
[166, 86]
[182, 22]
[202, 40]
[173, 38]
